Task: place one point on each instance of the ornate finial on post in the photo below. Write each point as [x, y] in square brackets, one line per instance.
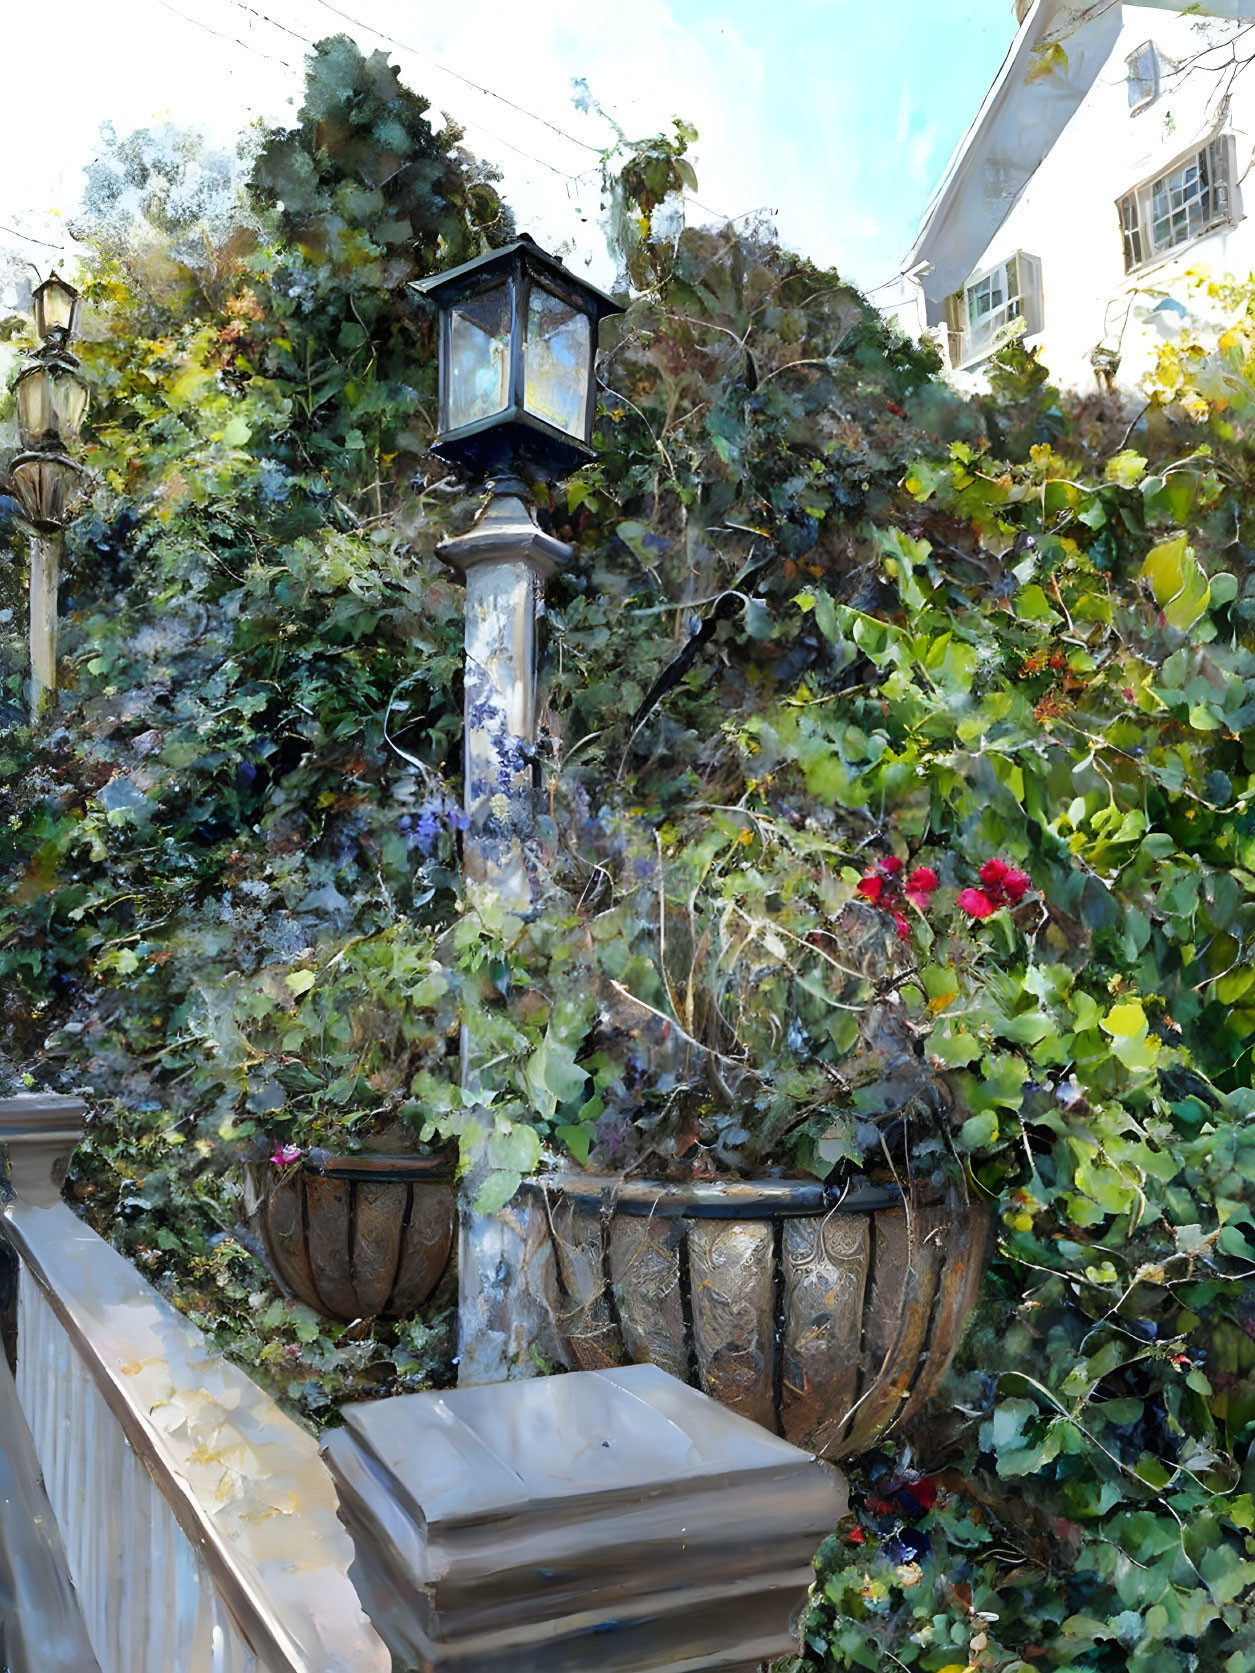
[40, 1131]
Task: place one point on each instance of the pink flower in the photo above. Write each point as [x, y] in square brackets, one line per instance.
[870, 887]
[993, 872]
[283, 1155]
[920, 885]
[891, 865]
[975, 903]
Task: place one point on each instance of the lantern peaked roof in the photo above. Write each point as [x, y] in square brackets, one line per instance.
[1033, 97]
[437, 285]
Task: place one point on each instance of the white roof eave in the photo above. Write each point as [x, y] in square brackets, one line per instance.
[1018, 122]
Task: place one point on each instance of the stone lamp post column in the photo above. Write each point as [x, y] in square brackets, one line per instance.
[43, 479]
[518, 336]
[506, 561]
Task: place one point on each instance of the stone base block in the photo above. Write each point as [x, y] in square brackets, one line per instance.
[611, 1520]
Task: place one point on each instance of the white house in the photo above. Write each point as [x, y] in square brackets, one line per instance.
[1112, 155]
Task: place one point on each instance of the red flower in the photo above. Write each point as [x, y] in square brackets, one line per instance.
[882, 886]
[975, 903]
[1004, 885]
[920, 885]
[856, 1536]
[923, 1492]
[1015, 885]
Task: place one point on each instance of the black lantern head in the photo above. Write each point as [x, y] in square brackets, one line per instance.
[57, 307]
[518, 343]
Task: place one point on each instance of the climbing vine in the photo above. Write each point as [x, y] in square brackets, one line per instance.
[894, 817]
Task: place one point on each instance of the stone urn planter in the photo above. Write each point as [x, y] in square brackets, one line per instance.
[357, 1236]
[826, 1319]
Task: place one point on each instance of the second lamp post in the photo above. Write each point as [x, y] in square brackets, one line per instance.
[43, 479]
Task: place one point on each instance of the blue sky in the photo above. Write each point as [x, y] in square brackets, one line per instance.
[835, 114]
[871, 101]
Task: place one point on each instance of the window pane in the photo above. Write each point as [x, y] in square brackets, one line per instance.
[479, 357]
[559, 351]
[1132, 232]
[1143, 75]
[1181, 204]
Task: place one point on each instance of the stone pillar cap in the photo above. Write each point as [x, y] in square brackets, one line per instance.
[40, 1131]
[510, 1527]
[505, 533]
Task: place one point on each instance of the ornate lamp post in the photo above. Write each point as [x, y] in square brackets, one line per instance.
[43, 479]
[518, 340]
[604, 1519]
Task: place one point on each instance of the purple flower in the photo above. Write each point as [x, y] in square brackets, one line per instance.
[426, 830]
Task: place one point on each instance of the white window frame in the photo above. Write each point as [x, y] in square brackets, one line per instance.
[1158, 202]
[1135, 77]
[1014, 289]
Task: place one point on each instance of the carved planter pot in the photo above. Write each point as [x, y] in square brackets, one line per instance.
[828, 1320]
[357, 1236]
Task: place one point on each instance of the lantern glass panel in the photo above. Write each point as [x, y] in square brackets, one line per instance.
[479, 357]
[559, 354]
[51, 404]
[69, 397]
[34, 405]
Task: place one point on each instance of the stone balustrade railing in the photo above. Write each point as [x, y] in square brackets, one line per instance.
[198, 1521]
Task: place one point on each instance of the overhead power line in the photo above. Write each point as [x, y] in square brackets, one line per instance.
[26, 238]
[233, 39]
[274, 23]
[426, 58]
[305, 40]
[457, 74]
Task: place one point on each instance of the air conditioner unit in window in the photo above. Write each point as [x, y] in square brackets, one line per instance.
[1000, 303]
